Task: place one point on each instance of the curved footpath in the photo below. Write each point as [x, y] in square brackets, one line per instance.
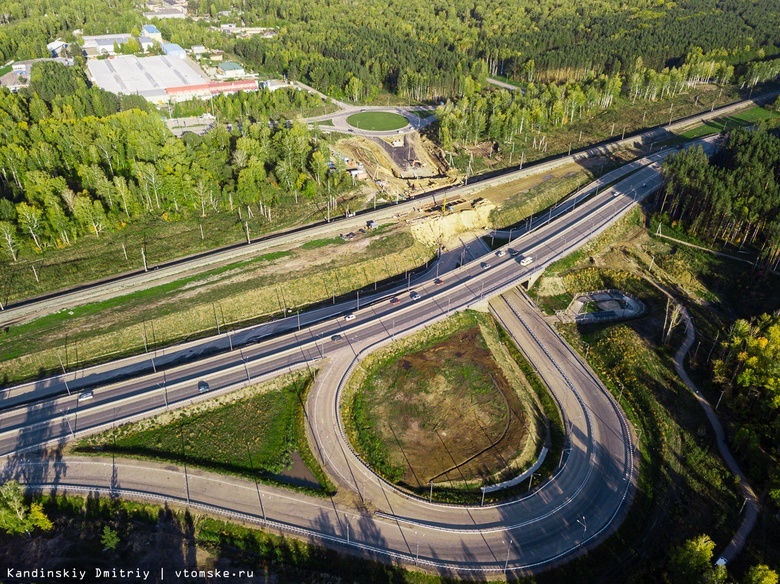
[752, 506]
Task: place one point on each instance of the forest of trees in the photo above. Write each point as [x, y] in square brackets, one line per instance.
[733, 197]
[693, 562]
[251, 105]
[747, 369]
[503, 115]
[78, 163]
[434, 44]
[431, 49]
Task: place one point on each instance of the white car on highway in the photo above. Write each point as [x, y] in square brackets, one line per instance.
[526, 260]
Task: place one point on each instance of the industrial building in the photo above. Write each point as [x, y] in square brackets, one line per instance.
[161, 79]
[210, 89]
[151, 31]
[147, 76]
[230, 69]
[174, 50]
[166, 13]
[103, 44]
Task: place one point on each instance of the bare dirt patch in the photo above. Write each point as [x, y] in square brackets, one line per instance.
[398, 165]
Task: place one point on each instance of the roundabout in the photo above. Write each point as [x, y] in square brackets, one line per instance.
[377, 121]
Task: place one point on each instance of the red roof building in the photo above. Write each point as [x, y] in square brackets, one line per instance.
[206, 90]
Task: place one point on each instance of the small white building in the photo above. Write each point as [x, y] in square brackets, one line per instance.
[198, 51]
[274, 84]
[146, 43]
[152, 32]
[174, 50]
[56, 47]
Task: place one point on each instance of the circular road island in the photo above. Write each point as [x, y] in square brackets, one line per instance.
[377, 121]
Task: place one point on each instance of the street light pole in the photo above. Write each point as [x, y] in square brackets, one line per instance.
[65, 381]
[246, 369]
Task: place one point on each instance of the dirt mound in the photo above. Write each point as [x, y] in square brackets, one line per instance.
[443, 227]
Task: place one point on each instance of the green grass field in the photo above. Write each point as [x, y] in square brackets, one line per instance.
[223, 298]
[317, 243]
[377, 121]
[252, 433]
[745, 118]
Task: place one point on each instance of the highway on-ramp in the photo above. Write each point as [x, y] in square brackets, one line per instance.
[576, 508]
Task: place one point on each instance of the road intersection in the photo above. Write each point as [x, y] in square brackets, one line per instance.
[556, 520]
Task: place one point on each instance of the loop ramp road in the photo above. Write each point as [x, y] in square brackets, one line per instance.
[578, 507]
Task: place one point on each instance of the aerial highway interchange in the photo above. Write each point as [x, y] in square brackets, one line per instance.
[582, 503]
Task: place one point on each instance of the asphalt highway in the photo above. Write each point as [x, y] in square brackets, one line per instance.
[583, 502]
[160, 273]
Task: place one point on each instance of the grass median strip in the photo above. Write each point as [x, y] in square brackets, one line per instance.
[257, 432]
[377, 121]
[198, 306]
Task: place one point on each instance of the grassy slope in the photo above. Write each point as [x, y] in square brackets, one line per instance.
[684, 489]
[251, 433]
[744, 118]
[244, 292]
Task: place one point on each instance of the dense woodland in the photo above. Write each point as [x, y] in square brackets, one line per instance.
[406, 46]
[398, 45]
[503, 115]
[747, 369]
[733, 197]
[78, 162]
